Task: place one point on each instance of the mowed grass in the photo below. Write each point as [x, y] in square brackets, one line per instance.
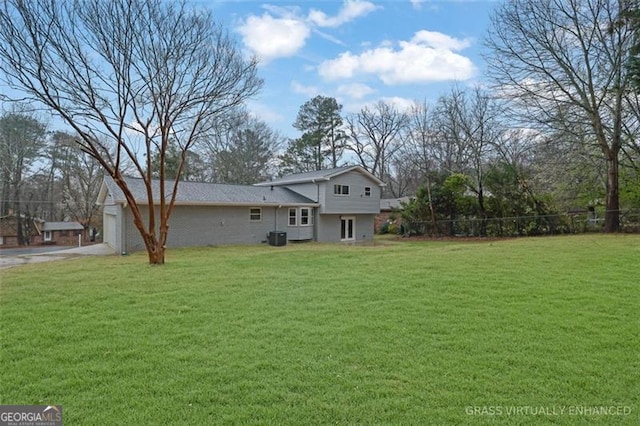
[394, 333]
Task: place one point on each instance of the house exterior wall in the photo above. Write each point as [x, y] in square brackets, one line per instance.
[309, 190]
[67, 238]
[329, 227]
[216, 225]
[9, 240]
[356, 202]
[9, 231]
[203, 225]
[212, 225]
[300, 231]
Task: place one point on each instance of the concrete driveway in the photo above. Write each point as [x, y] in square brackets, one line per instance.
[25, 255]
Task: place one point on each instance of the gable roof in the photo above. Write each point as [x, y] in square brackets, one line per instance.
[62, 226]
[319, 176]
[387, 204]
[203, 193]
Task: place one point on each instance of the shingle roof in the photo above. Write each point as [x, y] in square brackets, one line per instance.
[319, 175]
[202, 193]
[393, 203]
[62, 226]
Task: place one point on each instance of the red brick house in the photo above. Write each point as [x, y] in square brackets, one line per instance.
[62, 233]
[37, 231]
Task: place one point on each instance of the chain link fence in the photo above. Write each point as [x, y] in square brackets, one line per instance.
[568, 223]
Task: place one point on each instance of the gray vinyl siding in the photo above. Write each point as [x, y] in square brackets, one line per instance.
[329, 227]
[299, 233]
[223, 221]
[354, 203]
[309, 190]
[212, 226]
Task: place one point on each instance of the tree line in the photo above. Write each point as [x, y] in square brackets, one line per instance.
[556, 128]
[156, 90]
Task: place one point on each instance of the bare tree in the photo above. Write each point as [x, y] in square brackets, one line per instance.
[470, 122]
[79, 176]
[376, 135]
[420, 150]
[568, 55]
[22, 139]
[127, 76]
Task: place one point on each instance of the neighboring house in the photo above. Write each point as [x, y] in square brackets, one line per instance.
[328, 206]
[62, 233]
[387, 207]
[39, 231]
[9, 229]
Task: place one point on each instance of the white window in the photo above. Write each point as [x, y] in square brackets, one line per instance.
[47, 235]
[367, 191]
[302, 216]
[255, 214]
[341, 189]
[305, 217]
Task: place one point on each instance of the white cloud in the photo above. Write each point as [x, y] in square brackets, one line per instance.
[428, 57]
[350, 10]
[417, 4]
[355, 90]
[299, 88]
[438, 40]
[270, 38]
[282, 31]
[265, 113]
[401, 104]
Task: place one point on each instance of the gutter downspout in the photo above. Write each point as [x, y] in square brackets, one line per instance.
[316, 215]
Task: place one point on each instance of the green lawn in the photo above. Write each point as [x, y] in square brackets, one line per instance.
[526, 331]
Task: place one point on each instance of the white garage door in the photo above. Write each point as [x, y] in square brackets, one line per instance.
[109, 230]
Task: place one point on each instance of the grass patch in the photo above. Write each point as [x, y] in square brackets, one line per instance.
[396, 333]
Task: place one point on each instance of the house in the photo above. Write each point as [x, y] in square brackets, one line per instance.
[9, 229]
[327, 206]
[348, 200]
[62, 233]
[38, 231]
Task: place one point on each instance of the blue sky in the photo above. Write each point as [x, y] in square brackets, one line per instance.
[356, 51]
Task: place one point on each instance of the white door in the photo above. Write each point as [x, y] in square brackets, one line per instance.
[347, 228]
[109, 230]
